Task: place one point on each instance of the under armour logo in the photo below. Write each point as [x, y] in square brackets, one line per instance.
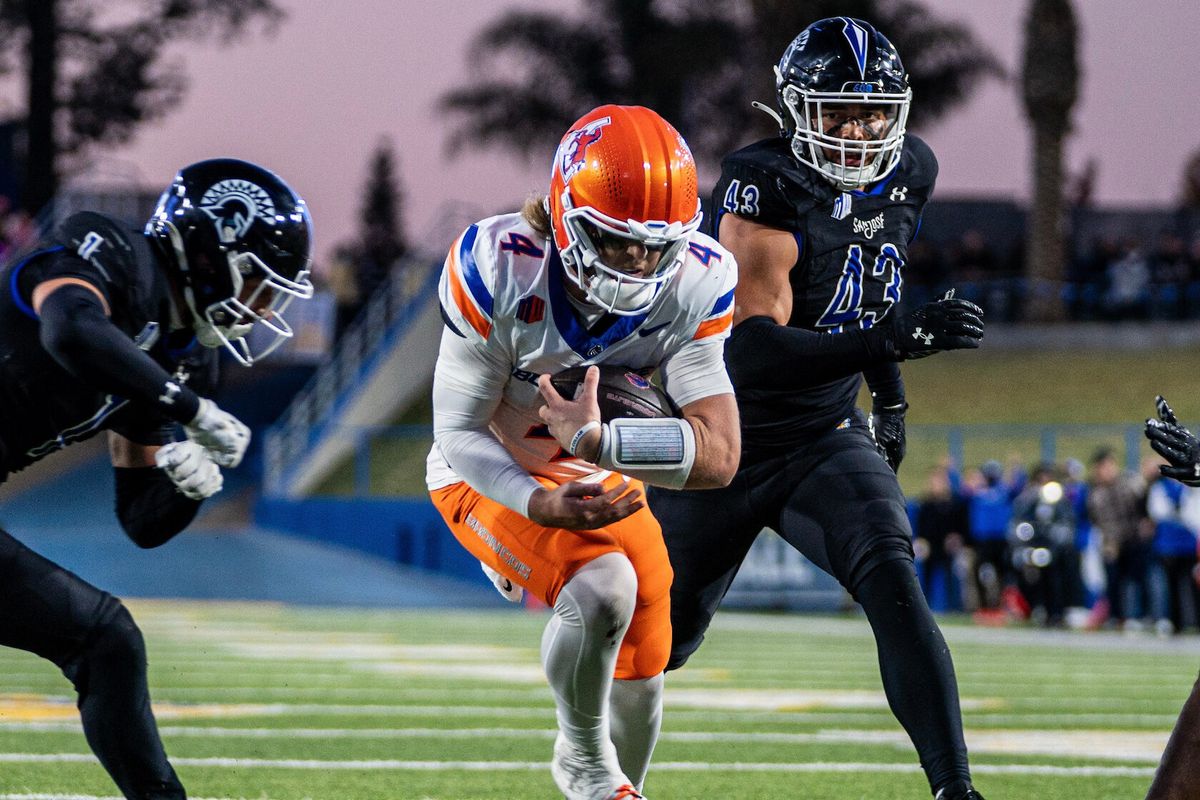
[899, 194]
[921, 336]
[90, 244]
[171, 391]
[1196, 469]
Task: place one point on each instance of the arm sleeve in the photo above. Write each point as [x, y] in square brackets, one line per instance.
[151, 510]
[886, 385]
[77, 334]
[468, 383]
[763, 354]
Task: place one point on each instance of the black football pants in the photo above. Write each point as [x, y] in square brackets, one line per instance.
[89, 634]
[837, 502]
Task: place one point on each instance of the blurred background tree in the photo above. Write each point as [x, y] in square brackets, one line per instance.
[696, 64]
[380, 244]
[1050, 85]
[96, 69]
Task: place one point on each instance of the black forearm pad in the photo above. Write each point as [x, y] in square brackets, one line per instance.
[762, 354]
[886, 385]
[149, 506]
[75, 331]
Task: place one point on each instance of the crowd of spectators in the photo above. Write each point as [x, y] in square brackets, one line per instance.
[1131, 266]
[1061, 544]
[1112, 277]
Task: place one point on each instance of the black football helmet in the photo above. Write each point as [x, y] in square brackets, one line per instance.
[842, 70]
[239, 242]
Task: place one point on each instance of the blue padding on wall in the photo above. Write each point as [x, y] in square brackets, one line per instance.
[409, 532]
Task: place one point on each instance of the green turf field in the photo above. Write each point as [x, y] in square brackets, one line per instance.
[265, 701]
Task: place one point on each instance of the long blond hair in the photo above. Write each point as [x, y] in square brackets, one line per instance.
[537, 214]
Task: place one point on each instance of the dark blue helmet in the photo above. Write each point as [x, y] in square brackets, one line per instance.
[843, 99]
[238, 240]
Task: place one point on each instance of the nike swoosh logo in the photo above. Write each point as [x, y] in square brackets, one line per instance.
[655, 329]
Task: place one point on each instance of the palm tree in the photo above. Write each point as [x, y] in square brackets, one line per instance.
[1050, 81]
[697, 66]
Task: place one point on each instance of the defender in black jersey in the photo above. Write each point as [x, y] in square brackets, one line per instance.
[820, 219]
[1178, 773]
[110, 328]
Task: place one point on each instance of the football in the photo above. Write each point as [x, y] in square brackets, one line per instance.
[621, 392]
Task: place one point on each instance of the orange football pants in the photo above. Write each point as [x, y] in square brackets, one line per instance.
[542, 560]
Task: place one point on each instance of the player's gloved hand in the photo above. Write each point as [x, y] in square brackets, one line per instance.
[190, 468]
[949, 323]
[887, 426]
[1175, 443]
[219, 432]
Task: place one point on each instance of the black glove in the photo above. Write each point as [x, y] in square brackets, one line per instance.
[946, 324]
[887, 426]
[1175, 443]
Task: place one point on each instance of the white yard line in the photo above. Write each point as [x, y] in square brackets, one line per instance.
[1132, 746]
[670, 766]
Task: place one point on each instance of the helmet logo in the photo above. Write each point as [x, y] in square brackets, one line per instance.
[857, 36]
[233, 205]
[573, 151]
[637, 381]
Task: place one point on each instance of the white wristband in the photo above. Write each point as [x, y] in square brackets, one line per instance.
[579, 434]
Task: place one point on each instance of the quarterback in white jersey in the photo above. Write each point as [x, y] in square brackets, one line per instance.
[504, 290]
[609, 269]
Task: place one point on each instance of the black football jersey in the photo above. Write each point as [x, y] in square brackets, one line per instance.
[43, 407]
[850, 269]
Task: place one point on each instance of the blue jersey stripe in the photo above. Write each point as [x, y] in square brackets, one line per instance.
[470, 271]
[569, 326]
[723, 303]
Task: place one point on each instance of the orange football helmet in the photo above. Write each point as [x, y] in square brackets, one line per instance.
[622, 171]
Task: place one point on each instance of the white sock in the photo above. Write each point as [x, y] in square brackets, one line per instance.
[636, 708]
[579, 650]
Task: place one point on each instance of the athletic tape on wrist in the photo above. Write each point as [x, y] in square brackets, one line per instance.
[658, 451]
[579, 434]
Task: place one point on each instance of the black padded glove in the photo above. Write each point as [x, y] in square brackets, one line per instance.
[1175, 443]
[946, 324]
[887, 426]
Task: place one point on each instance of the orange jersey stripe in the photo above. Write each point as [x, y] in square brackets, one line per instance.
[463, 300]
[714, 326]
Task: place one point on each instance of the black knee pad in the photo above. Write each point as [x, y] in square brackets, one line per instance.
[892, 574]
[118, 640]
[114, 648]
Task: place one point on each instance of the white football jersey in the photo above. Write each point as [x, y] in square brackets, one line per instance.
[502, 289]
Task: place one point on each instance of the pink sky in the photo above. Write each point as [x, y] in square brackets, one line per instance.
[314, 100]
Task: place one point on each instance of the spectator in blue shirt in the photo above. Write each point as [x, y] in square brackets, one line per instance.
[1174, 509]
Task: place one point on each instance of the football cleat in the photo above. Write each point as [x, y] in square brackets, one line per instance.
[580, 777]
[626, 792]
[959, 790]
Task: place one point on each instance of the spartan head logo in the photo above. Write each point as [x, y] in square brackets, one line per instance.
[572, 152]
[233, 204]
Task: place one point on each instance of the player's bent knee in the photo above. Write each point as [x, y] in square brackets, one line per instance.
[118, 642]
[605, 590]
